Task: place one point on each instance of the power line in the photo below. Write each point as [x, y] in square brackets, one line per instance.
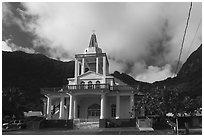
[193, 38]
[189, 13]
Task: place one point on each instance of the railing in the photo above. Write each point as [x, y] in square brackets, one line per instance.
[81, 120]
[88, 86]
[56, 89]
[89, 55]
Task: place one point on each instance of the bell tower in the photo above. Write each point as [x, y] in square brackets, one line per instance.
[93, 59]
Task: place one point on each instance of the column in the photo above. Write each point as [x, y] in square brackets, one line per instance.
[75, 107]
[117, 106]
[49, 102]
[104, 65]
[96, 64]
[132, 105]
[67, 110]
[82, 66]
[103, 108]
[71, 107]
[76, 70]
[61, 114]
[45, 108]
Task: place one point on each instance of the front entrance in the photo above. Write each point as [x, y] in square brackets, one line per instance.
[92, 120]
[88, 107]
[94, 111]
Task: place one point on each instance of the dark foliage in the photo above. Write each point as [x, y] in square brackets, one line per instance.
[28, 73]
[179, 94]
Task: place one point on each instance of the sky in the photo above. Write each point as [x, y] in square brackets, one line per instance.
[140, 39]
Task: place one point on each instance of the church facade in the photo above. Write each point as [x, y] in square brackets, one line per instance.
[93, 94]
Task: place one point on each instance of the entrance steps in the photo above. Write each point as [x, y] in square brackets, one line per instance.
[144, 124]
[86, 123]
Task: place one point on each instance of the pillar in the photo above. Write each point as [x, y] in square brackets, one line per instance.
[103, 107]
[104, 65]
[132, 105]
[76, 70]
[96, 64]
[75, 107]
[117, 106]
[67, 108]
[49, 102]
[82, 66]
[45, 108]
[61, 114]
[71, 107]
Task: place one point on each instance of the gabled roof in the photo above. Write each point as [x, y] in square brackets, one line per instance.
[119, 81]
[124, 86]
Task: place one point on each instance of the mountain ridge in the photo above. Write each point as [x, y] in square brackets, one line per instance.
[30, 72]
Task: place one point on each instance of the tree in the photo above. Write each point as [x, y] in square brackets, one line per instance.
[160, 101]
[15, 101]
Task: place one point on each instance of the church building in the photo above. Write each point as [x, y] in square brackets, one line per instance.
[93, 94]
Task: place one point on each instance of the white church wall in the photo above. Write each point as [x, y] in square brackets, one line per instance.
[91, 76]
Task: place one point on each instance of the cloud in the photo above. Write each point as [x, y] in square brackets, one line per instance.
[8, 45]
[116, 65]
[136, 36]
[5, 47]
[154, 73]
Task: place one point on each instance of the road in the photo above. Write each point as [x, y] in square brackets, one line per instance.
[118, 131]
[112, 131]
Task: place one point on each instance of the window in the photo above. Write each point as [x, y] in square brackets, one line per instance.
[78, 111]
[65, 101]
[97, 84]
[113, 110]
[82, 85]
[89, 85]
[94, 110]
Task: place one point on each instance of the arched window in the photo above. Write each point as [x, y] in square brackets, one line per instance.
[82, 85]
[97, 84]
[89, 84]
[113, 110]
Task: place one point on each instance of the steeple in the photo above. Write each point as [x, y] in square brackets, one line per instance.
[93, 45]
[93, 59]
[93, 41]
